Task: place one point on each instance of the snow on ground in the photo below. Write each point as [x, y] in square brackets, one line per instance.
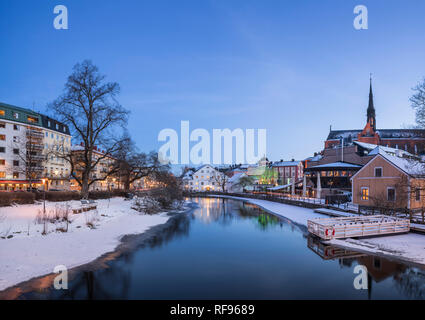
[29, 253]
[410, 247]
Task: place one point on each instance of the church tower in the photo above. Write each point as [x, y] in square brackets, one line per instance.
[371, 119]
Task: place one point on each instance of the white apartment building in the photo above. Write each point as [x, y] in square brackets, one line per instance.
[202, 179]
[56, 141]
[25, 138]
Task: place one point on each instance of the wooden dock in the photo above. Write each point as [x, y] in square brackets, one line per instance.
[361, 226]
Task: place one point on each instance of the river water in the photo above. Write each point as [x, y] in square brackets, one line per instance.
[228, 249]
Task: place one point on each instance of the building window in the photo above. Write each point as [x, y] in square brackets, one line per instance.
[16, 163]
[2, 174]
[2, 125]
[32, 119]
[390, 194]
[16, 127]
[418, 194]
[16, 175]
[2, 162]
[378, 172]
[15, 151]
[2, 113]
[16, 115]
[2, 149]
[15, 139]
[365, 194]
[2, 137]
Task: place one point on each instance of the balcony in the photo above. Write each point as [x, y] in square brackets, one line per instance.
[35, 146]
[34, 133]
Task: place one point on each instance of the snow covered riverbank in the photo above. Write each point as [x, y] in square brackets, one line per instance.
[29, 254]
[408, 247]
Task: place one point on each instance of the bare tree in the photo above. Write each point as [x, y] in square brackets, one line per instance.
[133, 165]
[221, 179]
[418, 103]
[89, 107]
[27, 150]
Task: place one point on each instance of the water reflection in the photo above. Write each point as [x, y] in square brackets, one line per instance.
[410, 281]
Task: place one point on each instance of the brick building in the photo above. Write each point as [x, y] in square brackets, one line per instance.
[411, 140]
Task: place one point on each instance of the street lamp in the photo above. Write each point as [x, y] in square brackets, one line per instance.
[44, 195]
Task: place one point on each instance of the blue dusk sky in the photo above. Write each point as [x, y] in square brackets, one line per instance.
[291, 67]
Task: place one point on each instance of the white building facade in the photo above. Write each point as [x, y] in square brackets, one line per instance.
[205, 178]
[24, 144]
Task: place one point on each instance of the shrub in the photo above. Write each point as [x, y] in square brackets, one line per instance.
[8, 198]
[106, 194]
[56, 196]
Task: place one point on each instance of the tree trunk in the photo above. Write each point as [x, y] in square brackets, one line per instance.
[126, 185]
[85, 186]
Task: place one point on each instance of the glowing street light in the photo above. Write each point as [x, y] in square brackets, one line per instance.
[44, 195]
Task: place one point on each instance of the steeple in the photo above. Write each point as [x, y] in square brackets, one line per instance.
[370, 109]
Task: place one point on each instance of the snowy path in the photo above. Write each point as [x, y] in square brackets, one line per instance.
[26, 256]
[408, 247]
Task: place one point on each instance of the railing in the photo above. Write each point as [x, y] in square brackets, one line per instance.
[35, 133]
[362, 226]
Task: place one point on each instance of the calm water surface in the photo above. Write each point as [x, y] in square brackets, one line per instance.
[227, 249]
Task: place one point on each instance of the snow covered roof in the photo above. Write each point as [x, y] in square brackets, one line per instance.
[335, 165]
[374, 149]
[409, 166]
[286, 163]
[236, 177]
[188, 174]
[77, 147]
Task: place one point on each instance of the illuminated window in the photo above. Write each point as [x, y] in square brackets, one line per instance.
[2, 137]
[32, 119]
[2, 174]
[2, 162]
[365, 193]
[2, 113]
[16, 175]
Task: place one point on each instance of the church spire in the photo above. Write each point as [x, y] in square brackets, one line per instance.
[371, 109]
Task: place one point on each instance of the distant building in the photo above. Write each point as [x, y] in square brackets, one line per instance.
[204, 178]
[390, 181]
[411, 140]
[288, 171]
[233, 184]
